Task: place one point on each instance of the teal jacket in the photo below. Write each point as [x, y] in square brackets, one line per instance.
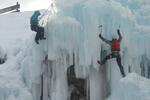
[34, 18]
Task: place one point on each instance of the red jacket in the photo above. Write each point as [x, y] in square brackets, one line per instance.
[115, 43]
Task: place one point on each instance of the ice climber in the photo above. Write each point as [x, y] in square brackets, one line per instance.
[115, 49]
[34, 21]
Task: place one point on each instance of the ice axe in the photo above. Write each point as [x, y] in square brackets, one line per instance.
[119, 27]
[100, 28]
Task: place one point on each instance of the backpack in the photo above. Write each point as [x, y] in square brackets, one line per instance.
[34, 18]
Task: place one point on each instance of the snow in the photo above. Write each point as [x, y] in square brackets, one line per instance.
[15, 27]
[14, 31]
[132, 87]
[20, 75]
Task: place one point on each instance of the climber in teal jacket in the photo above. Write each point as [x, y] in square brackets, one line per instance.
[34, 21]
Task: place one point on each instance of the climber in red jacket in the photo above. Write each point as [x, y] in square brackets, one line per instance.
[115, 49]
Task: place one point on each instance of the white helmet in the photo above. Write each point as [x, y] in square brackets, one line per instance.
[114, 36]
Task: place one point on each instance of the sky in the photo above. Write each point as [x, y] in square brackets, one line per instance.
[26, 5]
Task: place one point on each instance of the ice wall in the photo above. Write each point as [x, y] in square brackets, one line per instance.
[108, 14]
[14, 41]
[74, 28]
[32, 66]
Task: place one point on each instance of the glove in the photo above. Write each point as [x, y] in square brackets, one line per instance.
[118, 31]
[100, 35]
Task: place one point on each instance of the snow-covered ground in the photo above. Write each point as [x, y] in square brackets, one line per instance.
[132, 87]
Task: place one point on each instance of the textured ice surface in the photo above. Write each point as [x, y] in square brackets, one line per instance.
[132, 87]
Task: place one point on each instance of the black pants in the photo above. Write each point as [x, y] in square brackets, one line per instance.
[118, 59]
[39, 34]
